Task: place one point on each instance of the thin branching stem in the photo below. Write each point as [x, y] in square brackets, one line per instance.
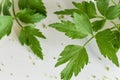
[113, 1]
[99, 17]
[1, 6]
[88, 41]
[115, 25]
[13, 9]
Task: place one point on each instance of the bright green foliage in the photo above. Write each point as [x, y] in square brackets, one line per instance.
[67, 12]
[31, 11]
[6, 23]
[116, 39]
[82, 23]
[29, 16]
[69, 29]
[105, 43]
[98, 24]
[87, 22]
[102, 6]
[110, 12]
[86, 7]
[6, 6]
[77, 58]
[36, 5]
[77, 30]
[23, 4]
[113, 12]
[28, 36]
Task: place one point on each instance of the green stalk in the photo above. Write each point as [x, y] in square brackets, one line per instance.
[113, 2]
[100, 17]
[13, 9]
[115, 25]
[1, 6]
[88, 41]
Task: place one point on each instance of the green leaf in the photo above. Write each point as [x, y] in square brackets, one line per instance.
[69, 29]
[77, 30]
[28, 16]
[102, 6]
[86, 7]
[6, 6]
[79, 5]
[28, 36]
[116, 39]
[22, 4]
[91, 11]
[113, 12]
[36, 5]
[77, 58]
[82, 23]
[6, 23]
[98, 24]
[67, 12]
[105, 43]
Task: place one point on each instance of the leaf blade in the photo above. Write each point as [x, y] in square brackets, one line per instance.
[89, 9]
[113, 12]
[6, 6]
[36, 5]
[98, 24]
[77, 30]
[77, 61]
[28, 36]
[82, 23]
[102, 6]
[28, 16]
[6, 23]
[104, 40]
[69, 29]
[67, 12]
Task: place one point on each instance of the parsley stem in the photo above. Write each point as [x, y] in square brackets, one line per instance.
[99, 16]
[13, 9]
[115, 25]
[112, 28]
[88, 41]
[1, 6]
[113, 2]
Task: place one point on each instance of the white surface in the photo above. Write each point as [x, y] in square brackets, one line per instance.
[18, 62]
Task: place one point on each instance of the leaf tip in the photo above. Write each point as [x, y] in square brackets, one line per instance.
[56, 65]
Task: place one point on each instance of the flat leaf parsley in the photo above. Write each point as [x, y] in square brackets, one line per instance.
[86, 21]
[30, 12]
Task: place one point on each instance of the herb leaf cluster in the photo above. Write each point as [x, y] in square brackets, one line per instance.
[30, 12]
[86, 21]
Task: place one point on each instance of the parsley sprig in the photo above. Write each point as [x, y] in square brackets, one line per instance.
[30, 12]
[86, 21]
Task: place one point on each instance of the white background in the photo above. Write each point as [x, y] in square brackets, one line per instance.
[17, 62]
